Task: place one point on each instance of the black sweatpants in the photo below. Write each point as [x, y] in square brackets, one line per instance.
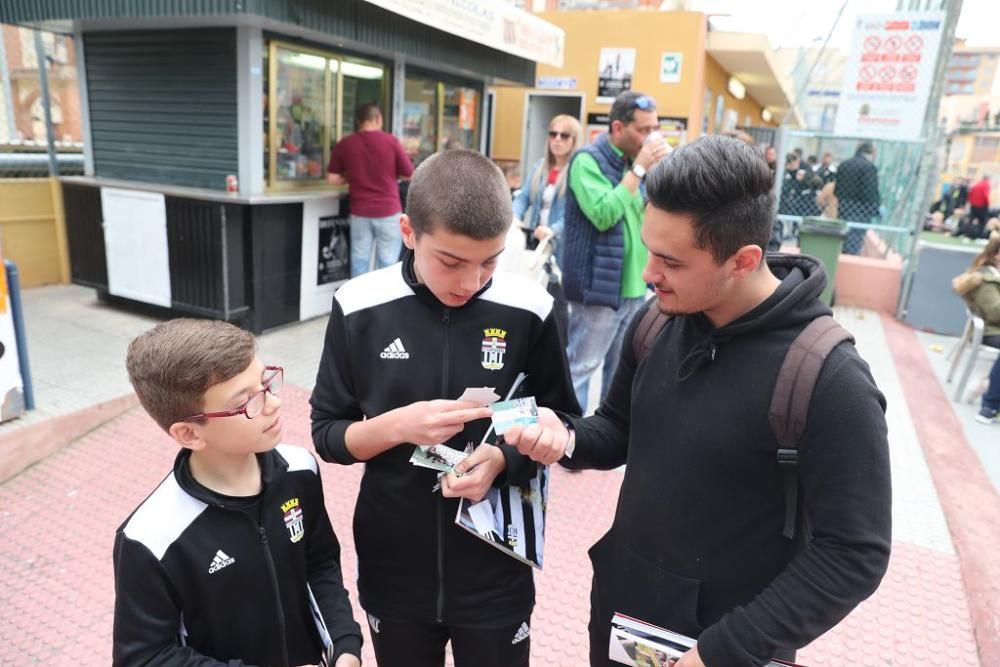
[408, 644]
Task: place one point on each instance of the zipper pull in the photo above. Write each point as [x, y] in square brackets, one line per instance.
[713, 349]
[263, 534]
[447, 316]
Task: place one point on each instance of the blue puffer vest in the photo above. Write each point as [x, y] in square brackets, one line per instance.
[593, 260]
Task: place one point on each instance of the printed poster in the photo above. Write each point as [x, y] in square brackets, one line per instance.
[888, 75]
[616, 68]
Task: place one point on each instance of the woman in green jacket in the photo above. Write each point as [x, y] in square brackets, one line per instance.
[984, 300]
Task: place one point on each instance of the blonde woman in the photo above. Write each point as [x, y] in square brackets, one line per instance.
[980, 287]
[540, 204]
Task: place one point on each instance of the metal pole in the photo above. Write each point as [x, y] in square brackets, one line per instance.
[932, 133]
[20, 337]
[43, 80]
[8, 92]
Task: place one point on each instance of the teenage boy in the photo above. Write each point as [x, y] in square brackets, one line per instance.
[402, 344]
[232, 559]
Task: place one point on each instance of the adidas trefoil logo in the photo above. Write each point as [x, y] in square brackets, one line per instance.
[522, 633]
[220, 561]
[395, 350]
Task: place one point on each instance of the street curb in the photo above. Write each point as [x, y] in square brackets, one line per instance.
[31, 444]
[970, 502]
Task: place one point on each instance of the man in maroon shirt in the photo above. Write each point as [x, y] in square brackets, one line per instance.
[979, 201]
[371, 161]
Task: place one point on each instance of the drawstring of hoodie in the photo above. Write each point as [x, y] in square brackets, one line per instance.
[700, 354]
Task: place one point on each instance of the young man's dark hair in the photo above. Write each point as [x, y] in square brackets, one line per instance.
[790, 159]
[624, 107]
[367, 112]
[724, 185]
[479, 204]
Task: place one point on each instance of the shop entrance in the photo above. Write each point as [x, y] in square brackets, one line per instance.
[539, 110]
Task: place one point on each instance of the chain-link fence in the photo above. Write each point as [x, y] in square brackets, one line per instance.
[32, 160]
[872, 185]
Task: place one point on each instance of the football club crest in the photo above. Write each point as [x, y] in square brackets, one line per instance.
[293, 519]
[494, 347]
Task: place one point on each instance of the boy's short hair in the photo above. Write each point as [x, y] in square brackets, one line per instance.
[366, 112]
[464, 192]
[172, 365]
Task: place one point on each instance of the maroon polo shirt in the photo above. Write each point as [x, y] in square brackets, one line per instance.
[371, 161]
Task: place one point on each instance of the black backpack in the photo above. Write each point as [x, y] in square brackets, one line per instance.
[792, 394]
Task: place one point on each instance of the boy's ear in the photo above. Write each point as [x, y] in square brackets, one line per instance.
[409, 235]
[187, 435]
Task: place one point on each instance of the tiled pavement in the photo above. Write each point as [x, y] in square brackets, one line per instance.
[57, 521]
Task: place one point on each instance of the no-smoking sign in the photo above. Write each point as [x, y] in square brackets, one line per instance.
[887, 73]
[914, 43]
[908, 73]
[867, 73]
[872, 43]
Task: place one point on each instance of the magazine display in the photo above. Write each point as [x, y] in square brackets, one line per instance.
[637, 643]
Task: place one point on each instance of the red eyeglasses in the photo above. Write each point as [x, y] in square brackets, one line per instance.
[273, 379]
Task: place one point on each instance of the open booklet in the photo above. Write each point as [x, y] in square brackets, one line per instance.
[637, 643]
[511, 518]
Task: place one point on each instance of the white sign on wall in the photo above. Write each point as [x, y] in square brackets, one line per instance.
[556, 82]
[670, 67]
[498, 25]
[888, 75]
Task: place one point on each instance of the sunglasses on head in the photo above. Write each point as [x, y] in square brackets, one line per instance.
[644, 102]
[565, 136]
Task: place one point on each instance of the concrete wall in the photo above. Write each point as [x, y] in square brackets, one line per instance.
[32, 231]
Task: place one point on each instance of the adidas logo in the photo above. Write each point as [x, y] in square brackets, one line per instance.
[522, 633]
[220, 561]
[395, 350]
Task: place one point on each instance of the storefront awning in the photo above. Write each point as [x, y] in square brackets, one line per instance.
[747, 56]
[494, 24]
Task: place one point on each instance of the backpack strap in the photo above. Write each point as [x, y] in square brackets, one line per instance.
[650, 326]
[793, 392]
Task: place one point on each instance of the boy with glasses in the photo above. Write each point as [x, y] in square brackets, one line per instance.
[232, 557]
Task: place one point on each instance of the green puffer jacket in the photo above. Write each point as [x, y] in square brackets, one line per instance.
[985, 300]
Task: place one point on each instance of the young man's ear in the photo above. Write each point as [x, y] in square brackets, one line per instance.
[746, 260]
[187, 435]
[409, 235]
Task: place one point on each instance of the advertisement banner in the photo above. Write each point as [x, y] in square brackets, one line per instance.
[11, 386]
[888, 75]
[497, 25]
[614, 75]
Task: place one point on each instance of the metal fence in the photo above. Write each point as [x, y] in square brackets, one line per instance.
[872, 185]
[29, 160]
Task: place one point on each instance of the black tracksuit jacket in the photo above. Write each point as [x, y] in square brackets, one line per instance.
[208, 580]
[390, 343]
[696, 544]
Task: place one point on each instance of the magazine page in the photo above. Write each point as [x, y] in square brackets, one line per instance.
[640, 644]
[511, 518]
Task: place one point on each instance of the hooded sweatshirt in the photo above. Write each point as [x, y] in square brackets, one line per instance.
[696, 545]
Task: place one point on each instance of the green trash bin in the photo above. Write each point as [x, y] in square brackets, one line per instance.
[823, 238]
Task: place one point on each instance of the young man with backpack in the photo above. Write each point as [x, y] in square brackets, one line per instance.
[755, 507]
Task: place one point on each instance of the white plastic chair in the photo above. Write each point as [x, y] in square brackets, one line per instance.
[972, 338]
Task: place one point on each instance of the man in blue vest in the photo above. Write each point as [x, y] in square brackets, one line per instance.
[604, 254]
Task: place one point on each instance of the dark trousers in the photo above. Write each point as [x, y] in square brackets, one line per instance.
[980, 214]
[991, 399]
[406, 644]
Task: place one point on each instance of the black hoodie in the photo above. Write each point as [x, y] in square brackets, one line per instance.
[696, 545]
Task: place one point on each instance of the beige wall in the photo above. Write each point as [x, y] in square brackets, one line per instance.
[32, 232]
[650, 33]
